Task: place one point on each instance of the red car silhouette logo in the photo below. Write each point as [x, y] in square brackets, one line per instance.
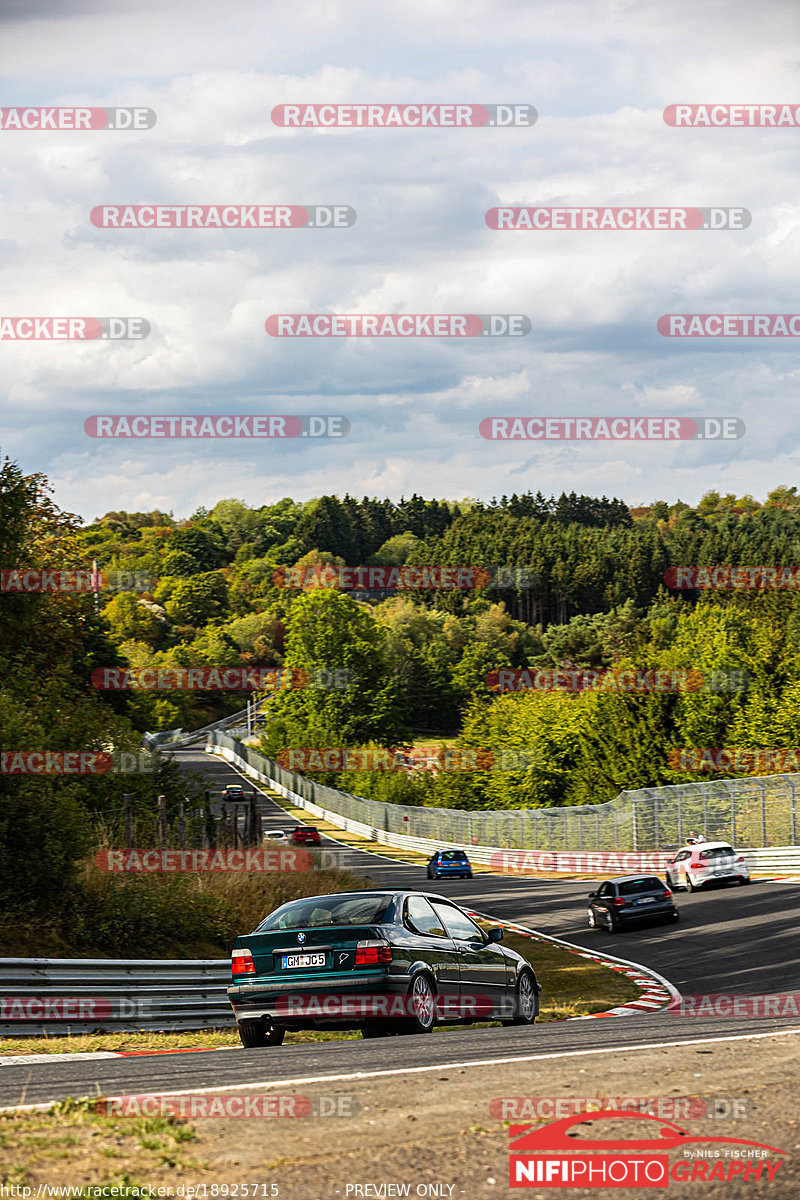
[527, 1139]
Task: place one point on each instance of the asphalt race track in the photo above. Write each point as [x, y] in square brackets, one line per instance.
[734, 939]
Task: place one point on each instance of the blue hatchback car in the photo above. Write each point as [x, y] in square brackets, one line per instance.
[448, 863]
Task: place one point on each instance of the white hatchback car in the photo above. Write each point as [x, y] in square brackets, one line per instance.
[706, 862]
[275, 835]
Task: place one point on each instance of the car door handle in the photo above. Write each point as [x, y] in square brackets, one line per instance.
[463, 950]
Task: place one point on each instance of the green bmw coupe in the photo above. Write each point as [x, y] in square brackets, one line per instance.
[384, 962]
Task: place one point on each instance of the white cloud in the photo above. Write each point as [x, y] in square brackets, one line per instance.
[599, 76]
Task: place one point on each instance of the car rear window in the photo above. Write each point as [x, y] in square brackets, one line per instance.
[327, 910]
[453, 856]
[717, 852]
[647, 883]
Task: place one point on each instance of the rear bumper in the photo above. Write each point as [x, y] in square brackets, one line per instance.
[699, 878]
[279, 1000]
[645, 911]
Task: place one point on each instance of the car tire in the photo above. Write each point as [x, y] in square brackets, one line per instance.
[430, 873]
[255, 1033]
[744, 881]
[421, 991]
[674, 917]
[612, 926]
[670, 884]
[690, 887]
[468, 875]
[525, 1000]
[592, 921]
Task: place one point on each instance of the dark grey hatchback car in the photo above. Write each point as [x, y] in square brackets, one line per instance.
[629, 899]
[384, 962]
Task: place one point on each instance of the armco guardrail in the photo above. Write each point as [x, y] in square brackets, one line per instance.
[56, 996]
[348, 812]
[754, 811]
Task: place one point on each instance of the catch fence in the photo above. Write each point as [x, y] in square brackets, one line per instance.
[747, 812]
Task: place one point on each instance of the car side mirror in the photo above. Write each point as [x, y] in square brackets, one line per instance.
[495, 934]
[592, 895]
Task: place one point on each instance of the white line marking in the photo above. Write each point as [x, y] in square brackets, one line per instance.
[21, 1060]
[484, 1062]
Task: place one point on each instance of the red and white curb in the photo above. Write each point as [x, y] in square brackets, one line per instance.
[656, 991]
[22, 1060]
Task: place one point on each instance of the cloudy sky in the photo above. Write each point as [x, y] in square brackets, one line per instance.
[599, 74]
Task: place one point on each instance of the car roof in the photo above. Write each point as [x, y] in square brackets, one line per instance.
[702, 845]
[630, 878]
[379, 892]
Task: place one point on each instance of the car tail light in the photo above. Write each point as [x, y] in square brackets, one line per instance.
[618, 901]
[666, 894]
[373, 954]
[741, 860]
[242, 963]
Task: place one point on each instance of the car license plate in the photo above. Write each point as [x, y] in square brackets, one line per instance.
[303, 960]
[726, 871]
[646, 900]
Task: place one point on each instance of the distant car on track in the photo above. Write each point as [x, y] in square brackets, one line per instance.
[628, 900]
[385, 962]
[234, 792]
[701, 862]
[446, 863]
[275, 835]
[305, 835]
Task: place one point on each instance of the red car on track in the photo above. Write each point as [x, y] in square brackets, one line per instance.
[305, 835]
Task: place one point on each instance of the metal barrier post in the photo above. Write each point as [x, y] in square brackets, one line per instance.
[181, 826]
[127, 809]
[162, 821]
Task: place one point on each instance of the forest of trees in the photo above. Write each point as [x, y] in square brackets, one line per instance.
[593, 596]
